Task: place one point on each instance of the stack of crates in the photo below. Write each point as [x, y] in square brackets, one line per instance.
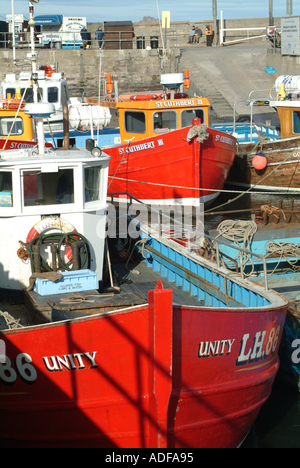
[118, 34]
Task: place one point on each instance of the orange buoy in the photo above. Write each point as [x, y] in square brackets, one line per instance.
[109, 85]
[187, 81]
[260, 161]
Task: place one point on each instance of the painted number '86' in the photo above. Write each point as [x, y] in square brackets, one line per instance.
[24, 368]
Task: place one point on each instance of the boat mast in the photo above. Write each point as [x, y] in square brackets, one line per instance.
[40, 110]
[13, 30]
[33, 54]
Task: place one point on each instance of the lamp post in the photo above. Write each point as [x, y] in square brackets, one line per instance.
[31, 23]
[214, 8]
[13, 30]
[271, 13]
[289, 7]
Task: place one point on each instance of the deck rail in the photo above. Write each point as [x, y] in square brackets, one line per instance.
[193, 233]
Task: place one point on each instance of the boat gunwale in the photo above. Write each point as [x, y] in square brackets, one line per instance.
[272, 296]
[272, 308]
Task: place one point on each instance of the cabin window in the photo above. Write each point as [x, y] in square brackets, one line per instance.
[188, 115]
[135, 122]
[296, 122]
[29, 94]
[92, 178]
[49, 188]
[164, 121]
[11, 92]
[53, 94]
[6, 189]
[12, 125]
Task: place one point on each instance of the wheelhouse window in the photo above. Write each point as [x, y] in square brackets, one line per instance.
[135, 122]
[10, 92]
[6, 198]
[11, 125]
[28, 97]
[296, 122]
[54, 188]
[164, 121]
[92, 181]
[188, 115]
[53, 94]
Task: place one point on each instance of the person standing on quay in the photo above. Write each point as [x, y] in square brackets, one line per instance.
[99, 36]
[84, 36]
[198, 34]
[192, 35]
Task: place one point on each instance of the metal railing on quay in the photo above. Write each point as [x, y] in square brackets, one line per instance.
[74, 40]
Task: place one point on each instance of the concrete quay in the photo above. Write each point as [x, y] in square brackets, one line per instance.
[229, 74]
[225, 74]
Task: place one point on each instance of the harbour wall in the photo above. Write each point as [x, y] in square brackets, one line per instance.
[139, 69]
[133, 69]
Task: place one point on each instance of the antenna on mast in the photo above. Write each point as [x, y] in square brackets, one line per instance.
[39, 111]
[33, 54]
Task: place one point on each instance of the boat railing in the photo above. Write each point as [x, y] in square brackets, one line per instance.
[191, 234]
[254, 102]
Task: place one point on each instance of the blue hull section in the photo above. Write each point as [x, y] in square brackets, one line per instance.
[107, 137]
[210, 287]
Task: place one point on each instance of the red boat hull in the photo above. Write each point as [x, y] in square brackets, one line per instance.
[168, 169]
[19, 144]
[151, 376]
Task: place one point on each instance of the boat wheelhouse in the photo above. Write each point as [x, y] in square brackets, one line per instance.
[273, 165]
[39, 184]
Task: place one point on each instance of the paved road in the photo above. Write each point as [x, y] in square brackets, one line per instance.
[234, 70]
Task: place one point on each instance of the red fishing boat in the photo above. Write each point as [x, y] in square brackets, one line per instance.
[130, 370]
[186, 166]
[162, 160]
[16, 128]
[154, 375]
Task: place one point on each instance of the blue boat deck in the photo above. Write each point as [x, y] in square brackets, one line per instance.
[283, 272]
[243, 132]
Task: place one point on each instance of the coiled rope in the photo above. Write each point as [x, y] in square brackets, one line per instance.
[241, 234]
[10, 321]
[284, 250]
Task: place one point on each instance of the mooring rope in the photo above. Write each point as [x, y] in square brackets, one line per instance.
[241, 233]
[10, 321]
[283, 250]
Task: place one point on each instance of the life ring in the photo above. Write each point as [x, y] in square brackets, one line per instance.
[144, 97]
[178, 95]
[51, 223]
[11, 103]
